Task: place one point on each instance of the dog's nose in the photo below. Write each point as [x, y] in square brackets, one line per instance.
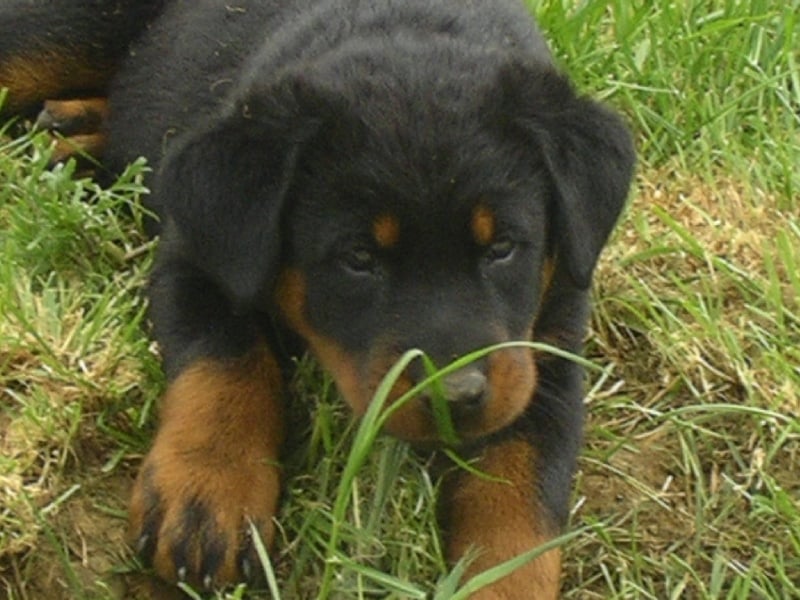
[466, 390]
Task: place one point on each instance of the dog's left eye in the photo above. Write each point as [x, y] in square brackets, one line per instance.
[359, 260]
[501, 250]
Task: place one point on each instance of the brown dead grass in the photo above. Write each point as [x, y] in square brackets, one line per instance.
[667, 484]
[730, 224]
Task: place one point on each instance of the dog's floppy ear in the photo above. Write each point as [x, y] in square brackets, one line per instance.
[588, 152]
[221, 191]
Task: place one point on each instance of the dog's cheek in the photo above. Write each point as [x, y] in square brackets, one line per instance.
[344, 370]
[291, 299]
[358, 380]
[512, 383]
[412, 421]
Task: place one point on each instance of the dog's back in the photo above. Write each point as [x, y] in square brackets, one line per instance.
[193, 58]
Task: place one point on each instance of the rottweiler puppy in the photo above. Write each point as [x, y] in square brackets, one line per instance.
[358, 178]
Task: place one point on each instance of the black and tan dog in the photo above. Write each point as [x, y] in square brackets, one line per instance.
[358, 177]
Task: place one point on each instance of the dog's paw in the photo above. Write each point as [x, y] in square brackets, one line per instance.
[77, 128]
[191, 514]
[212, 472]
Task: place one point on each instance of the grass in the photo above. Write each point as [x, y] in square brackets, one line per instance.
[688, 484]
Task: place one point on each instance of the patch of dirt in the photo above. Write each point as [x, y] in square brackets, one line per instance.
[636, 481]
[78, 531]
[81, 551]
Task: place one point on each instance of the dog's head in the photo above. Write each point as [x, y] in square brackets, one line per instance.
[382, 203]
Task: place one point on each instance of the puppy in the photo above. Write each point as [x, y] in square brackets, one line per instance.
[356, 178]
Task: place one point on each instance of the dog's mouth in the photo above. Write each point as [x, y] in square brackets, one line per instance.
[450, 408]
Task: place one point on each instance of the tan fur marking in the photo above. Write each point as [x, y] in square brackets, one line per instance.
[218, 441]
[35, 77]
[502, 519]
[78, 146]
[410, 422]
[77, 128]
[73, 117]
[291, 298]
[386, 231]
[512, 381]
[547, 274]
[483, 225]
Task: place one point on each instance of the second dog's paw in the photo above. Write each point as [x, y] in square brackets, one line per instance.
[77, 128]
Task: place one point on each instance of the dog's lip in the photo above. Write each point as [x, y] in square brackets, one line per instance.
[461, 419]
[467, 429]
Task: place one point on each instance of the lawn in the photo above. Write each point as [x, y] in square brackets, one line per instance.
[689, 484]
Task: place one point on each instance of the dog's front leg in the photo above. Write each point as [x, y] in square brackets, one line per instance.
[213, 469]
[497, 515]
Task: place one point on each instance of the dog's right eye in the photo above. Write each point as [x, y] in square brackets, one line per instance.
[501, 251]
[359, 260]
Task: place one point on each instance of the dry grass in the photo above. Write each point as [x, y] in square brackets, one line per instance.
[694, 440]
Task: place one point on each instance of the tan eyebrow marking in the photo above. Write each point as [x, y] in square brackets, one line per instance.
[483, 225]
[386, 230]
[548, 271]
